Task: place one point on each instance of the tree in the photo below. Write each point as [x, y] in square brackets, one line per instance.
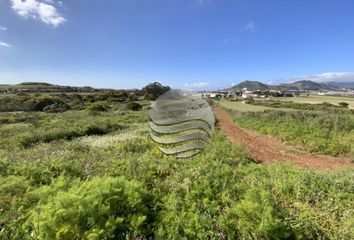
[154, 90]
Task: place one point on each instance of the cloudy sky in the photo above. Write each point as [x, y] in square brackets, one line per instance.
[183, 43]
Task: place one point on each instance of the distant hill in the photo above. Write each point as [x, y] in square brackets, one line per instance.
[43, 87]
[307, 85]
[342, 84]
[303, 85]
[252, 85]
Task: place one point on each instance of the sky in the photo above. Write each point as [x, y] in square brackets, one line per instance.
[195, 44]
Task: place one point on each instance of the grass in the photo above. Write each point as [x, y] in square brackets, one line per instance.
[119, 186]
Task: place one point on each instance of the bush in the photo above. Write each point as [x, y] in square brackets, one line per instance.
[26, 103]
[133, 106]
[343, 104]
[100, 107]
[56, 108]
[39, 103]
[101, 208]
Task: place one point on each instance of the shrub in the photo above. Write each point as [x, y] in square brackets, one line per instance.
[343, 104]
[97, 106]
[56, 108]
[39, 103]
[28, 103]
[101, 208]
[133, 106]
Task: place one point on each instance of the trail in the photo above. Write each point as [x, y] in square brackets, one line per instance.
[266, 149]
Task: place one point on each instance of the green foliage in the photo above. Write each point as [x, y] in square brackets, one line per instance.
[343, 104]
[47, 128]
[59, 102]
[27, 103]
[101, 208]
[56, 108]
[98, 106]
[134, 106]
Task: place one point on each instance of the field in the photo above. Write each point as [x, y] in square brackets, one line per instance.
[92, 172]
[242, 107]
[313, 99]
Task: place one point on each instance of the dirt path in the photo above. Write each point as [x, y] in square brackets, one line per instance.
[267, 149]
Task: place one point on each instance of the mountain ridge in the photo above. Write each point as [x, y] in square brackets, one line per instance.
[302, 85]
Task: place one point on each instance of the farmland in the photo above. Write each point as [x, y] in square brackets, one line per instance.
[241, 107]
[92, 172]
[313, 99]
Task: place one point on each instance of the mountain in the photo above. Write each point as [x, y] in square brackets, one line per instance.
[342, 84]
[307, 85]
[303, 85]
[252, 85]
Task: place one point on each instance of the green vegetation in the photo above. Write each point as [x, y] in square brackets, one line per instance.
[134, 106]
[97, 175]
[97, 106]
[321, 131]
[28, 103]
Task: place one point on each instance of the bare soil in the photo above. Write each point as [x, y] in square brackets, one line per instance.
[267, 149]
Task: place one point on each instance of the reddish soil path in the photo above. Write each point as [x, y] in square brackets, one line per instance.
[267, 149]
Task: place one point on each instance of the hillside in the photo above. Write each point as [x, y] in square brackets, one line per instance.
[308, 85]
[42, 87]
[303, 85]
[342, 84]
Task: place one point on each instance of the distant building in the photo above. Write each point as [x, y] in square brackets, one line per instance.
[248, 95]
[248, 100]
[212, 95]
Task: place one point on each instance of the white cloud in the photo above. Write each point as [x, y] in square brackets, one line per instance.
[250, 26]
[197, 84]
[328, 77]
[4, 44]
[201, 2]
[2, 28]
[43, 11]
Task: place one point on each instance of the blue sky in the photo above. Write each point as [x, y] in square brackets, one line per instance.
[182, 43]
